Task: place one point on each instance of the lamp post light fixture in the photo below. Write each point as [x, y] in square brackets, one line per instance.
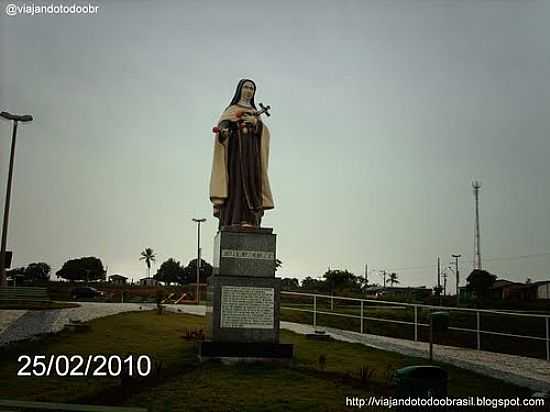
[16, 119]
[198, 222]
[457, 274]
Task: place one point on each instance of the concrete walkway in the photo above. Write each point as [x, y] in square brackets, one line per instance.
[528, 372]
[531, 373]
[24, 324]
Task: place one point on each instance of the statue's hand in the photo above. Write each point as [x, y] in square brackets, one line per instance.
[247, 118]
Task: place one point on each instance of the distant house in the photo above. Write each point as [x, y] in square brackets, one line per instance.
[537, 290]
[15, 279]
[117, 279]
[194, 284]
[503, 289]
[522, 292]
[543, 289]
[148, 282]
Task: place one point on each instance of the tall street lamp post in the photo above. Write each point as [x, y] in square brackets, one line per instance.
[16, 119]
[198, 221]
[457, 278]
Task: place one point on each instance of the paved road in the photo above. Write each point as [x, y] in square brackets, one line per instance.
[528, 372]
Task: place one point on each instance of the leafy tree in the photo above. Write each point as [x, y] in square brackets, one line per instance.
[362, 282]
[340, 279]
[479, 281]
[312, 284]
[148, 255]
[170, 271]
[393, 279]
[278, 264]
[84, 268]
[190, 271]
[38, 271]
[290, 284]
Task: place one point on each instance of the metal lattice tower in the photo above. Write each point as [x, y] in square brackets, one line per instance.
[477, 252]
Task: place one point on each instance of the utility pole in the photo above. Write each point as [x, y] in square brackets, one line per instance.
[477, 248]
[445, 283]
[384, 272]
[15, 118]
[198, 222]
[439, 274]
[439, 279]
[457, 274]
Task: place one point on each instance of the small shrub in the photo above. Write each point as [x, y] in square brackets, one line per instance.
[389, 373]
[322, 361]
[193, 334]
[366, 374]
[160, 308]
[158, 298]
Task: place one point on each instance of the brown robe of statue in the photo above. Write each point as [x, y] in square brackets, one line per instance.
[239, 186]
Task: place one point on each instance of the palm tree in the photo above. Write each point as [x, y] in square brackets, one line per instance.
[149, 256]
[393, 278]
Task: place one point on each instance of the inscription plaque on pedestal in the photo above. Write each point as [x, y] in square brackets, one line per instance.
[244, 254]
[247, 307]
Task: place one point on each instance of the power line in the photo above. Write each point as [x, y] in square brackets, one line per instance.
[520, 257]
[489, 259]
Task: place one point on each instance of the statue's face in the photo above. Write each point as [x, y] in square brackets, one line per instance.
[247, 92]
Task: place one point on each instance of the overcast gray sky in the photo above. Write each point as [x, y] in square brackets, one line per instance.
[383, 113]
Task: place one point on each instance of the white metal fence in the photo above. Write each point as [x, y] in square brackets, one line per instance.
[364, 318]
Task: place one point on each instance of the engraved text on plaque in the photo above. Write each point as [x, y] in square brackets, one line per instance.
[247, 307]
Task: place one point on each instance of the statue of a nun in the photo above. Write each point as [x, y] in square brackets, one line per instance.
[239, 186]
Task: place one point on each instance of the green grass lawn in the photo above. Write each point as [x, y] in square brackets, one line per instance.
[186, 385]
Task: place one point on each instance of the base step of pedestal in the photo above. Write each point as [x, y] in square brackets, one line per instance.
[245, 350]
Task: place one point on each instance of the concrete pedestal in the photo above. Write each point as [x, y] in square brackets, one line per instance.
[243, 298]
